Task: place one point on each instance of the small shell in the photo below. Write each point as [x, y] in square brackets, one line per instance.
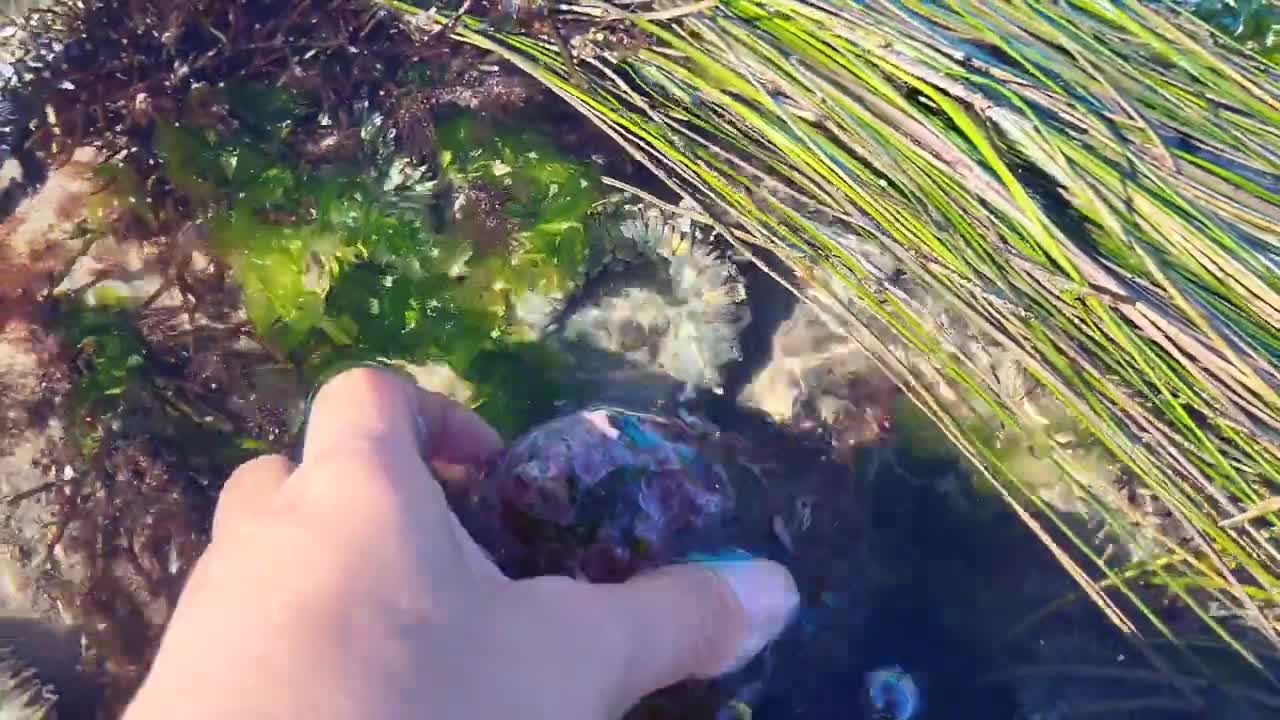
[893, 693]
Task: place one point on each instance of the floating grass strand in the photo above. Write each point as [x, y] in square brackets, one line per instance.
[1093, 185]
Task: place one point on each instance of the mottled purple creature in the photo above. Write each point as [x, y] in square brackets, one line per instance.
[601, 494]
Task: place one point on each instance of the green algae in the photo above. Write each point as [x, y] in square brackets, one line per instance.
[109, 355]
[122, 389]
[339, 264]
[504, 394]
[546, 196]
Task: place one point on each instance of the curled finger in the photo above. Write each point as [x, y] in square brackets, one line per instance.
[249, 489]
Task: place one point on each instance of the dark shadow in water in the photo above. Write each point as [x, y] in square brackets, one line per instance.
[770, 304]
[891, 575]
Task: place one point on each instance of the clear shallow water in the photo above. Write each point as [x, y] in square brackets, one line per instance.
[1252, 23]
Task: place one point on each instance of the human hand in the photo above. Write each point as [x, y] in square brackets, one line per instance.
[345, 587]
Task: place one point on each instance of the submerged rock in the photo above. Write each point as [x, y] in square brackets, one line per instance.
[39, 238]
[604, 494]
[36, 244]
[818, 377]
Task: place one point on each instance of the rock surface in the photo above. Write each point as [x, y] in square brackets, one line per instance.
[26, 482]
[35, 244]
[818, 377]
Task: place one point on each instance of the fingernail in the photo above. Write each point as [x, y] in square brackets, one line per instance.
[768, 595]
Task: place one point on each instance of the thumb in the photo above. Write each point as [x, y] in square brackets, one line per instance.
[695, 620]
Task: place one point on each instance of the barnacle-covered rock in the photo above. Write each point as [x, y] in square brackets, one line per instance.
[604, 493]
[40, 237]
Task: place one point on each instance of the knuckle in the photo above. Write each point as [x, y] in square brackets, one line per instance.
[369, 486]
[357, 382]
[263, 463]
[355, 457]
[255, 472]
[248, 487]
[354, 467]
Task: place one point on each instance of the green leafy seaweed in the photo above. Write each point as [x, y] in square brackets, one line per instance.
[339, 265]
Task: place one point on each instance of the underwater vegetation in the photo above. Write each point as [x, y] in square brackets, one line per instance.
[335, 266]
[151, 433]
[294, 271]
[107, 70]
[406, 262]
[1090, 184]
[1252, 23]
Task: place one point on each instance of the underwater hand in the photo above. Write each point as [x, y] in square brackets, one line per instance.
[345, 587]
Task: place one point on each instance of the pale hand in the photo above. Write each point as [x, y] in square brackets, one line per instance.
[345, 587]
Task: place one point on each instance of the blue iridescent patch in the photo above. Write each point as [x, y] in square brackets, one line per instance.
[732, 554]
[640, 437]
[893, 693]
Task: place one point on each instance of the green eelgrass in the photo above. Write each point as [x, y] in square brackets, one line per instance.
[1092, 184]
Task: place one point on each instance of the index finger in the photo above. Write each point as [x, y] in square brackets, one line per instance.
[369, 407]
